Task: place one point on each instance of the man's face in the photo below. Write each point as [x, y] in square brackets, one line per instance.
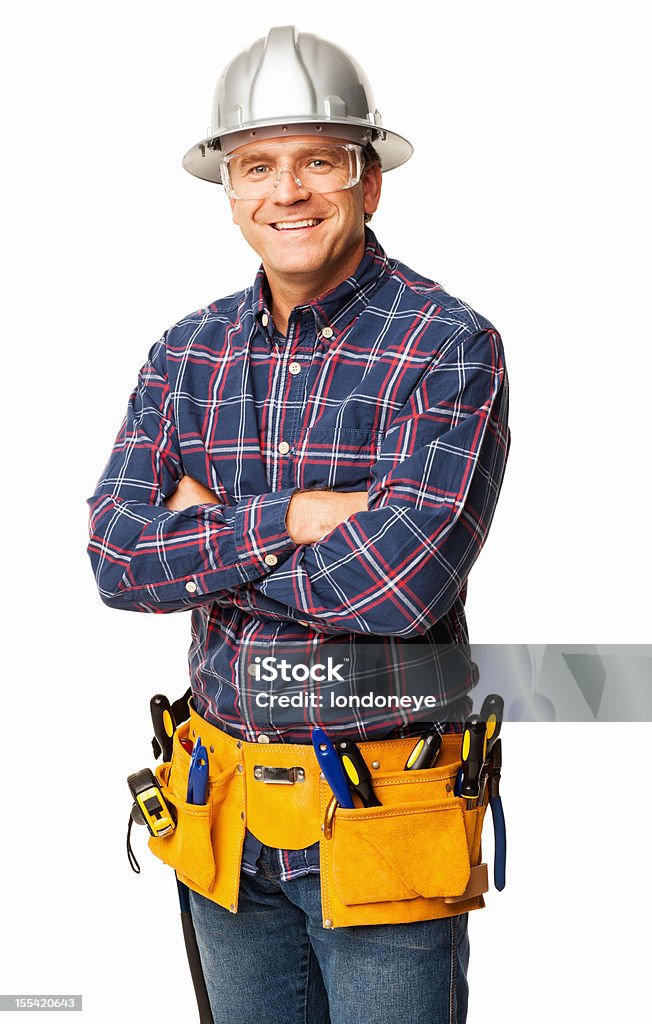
[327, 249]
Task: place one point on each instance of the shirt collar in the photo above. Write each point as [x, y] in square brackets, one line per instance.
[338, 307]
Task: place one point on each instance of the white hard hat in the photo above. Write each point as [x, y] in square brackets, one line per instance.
[292, 83]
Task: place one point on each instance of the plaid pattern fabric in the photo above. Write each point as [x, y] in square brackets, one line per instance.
[386, 384]
[291, 863]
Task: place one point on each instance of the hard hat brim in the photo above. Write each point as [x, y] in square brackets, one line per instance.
[203, 159]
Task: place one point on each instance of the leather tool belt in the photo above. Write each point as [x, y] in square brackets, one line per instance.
[414, 858]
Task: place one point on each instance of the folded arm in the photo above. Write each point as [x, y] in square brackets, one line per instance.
[147, 553]
[389, 563]
[398, 567]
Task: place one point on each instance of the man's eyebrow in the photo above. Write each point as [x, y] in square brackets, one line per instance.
[259, 156]
[265, 155]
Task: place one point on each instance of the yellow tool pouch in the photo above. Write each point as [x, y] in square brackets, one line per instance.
[210, 834]
[414, 858]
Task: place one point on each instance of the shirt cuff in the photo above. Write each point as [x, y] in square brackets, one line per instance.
[260, 531]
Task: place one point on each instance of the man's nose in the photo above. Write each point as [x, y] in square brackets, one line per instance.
[288, 187]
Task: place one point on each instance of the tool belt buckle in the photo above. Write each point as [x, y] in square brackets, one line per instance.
[279, 776]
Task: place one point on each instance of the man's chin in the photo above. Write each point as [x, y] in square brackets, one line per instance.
[298, 265]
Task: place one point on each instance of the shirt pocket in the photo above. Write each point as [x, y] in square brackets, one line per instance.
[337, 457]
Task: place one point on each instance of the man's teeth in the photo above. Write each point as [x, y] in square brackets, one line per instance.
[291, 225]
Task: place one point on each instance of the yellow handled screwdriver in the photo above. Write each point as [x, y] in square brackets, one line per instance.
[473, 758]
[357, 772]
[425, 751]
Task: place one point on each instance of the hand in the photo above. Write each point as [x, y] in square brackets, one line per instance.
[312, 515]
[190, 492]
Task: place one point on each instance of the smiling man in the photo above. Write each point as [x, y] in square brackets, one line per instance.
[311, 466]
[296, 203]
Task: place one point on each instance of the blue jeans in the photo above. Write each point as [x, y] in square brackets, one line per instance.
[274, 963]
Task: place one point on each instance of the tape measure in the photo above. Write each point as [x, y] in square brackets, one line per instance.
[150, 807]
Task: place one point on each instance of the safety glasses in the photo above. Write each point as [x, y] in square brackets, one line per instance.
[323, 167]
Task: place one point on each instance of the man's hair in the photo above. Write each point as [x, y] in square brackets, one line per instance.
[371, 157]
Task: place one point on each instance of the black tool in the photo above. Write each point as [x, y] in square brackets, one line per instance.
[164, 724]
[357, 773]
[473, 758]
[192, 950]
[179, 712]
[491, 712]
[425, 752]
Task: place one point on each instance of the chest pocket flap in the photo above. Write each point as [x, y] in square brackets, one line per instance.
[338, 457]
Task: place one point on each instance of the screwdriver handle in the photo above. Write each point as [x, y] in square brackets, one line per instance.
[357, 772]
[425, 751]
[473, 756]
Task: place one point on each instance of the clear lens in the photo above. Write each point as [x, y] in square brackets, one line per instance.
[315, 168]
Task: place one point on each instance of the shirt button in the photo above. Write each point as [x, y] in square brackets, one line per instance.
[327, 332]
[262, 738]
[251, 669]
[284, 448]
[191, 586]
[294, 368]
[271, 559]
[264, 319]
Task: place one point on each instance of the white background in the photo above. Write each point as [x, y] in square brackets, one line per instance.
[528, 197]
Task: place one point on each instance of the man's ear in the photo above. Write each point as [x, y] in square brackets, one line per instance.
[234, 210]
[372, 183]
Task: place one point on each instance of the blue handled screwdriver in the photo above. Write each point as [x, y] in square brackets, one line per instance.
[332, 768]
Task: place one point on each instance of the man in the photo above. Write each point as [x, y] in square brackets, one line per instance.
[311, 465]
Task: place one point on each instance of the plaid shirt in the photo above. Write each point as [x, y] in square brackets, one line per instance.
[386, 384]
